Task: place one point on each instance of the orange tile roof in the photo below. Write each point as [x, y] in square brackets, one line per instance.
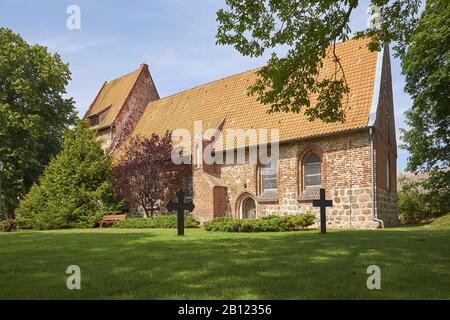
[113, 94]
[227, 98]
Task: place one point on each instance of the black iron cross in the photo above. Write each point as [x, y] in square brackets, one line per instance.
[323, 204]
[180, 207]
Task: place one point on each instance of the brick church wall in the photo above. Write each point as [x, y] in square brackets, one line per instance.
[220, 201]
[345, 173]
[386, 149]
[203, 196]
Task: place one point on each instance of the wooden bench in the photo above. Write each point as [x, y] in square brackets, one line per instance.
[112, 219]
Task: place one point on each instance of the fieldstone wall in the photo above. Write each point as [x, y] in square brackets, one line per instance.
[352, 208]
[346, 176]
[240, 179]
[387, 207]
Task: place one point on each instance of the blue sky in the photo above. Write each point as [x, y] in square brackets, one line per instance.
[176, 38]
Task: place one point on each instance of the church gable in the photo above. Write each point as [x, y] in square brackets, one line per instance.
[111, 97]
[119, 105]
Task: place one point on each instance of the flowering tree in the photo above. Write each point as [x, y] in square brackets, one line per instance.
[146, 174]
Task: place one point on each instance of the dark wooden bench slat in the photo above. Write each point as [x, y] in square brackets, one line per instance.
[112, 218]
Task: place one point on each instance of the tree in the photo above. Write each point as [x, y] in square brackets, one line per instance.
[426, 67]
[75, 189]
[33, 113]
[307, 28]
[145, 174]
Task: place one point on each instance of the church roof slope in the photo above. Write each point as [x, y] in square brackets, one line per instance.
[227, 99]
[111, 97]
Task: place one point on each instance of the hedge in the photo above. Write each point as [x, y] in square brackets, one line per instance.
[164, 222]
[266, 224]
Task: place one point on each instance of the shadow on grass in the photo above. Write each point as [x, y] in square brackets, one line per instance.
[156, 264]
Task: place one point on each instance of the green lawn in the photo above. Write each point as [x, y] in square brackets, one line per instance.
[156, 264]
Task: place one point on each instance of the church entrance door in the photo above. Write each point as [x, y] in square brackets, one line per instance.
[248, 208]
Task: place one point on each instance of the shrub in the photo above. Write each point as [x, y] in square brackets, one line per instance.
[222, 224]
[421, 200]
[413, 201]
[267, 224]
[302, 221]
[75, 189]
[164, 222]
[412, 206]
[8, 225]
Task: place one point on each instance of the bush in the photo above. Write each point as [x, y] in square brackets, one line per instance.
[424, 199]
[412, 207]
[164, 222]
[302, 221]
[8, 225]
[267, 224]
[75, 189]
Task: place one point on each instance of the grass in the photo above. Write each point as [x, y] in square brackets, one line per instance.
[156, 264]
[442, 222]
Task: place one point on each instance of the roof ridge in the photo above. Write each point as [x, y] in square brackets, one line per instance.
[207, 83]
[239, 73]
[125, 75]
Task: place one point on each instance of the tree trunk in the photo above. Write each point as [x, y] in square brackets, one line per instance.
[9, 215]
[145, 210]
[152, 210]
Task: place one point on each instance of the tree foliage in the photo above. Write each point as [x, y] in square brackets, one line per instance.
[307, 28]
[426, 66]
[34, 115]
[75, 189]
[416, 203]
[411, 204]
[145, 174]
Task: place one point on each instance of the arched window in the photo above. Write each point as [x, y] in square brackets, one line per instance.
[312, 172]
[269, 176]
[198, 156]
[188, 185]
[388, 173]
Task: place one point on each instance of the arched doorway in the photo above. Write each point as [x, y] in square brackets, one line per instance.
[248, 208]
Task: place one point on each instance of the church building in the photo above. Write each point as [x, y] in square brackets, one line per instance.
[354, 161]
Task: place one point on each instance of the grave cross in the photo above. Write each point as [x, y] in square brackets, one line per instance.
[323, 204]
[180, 207]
